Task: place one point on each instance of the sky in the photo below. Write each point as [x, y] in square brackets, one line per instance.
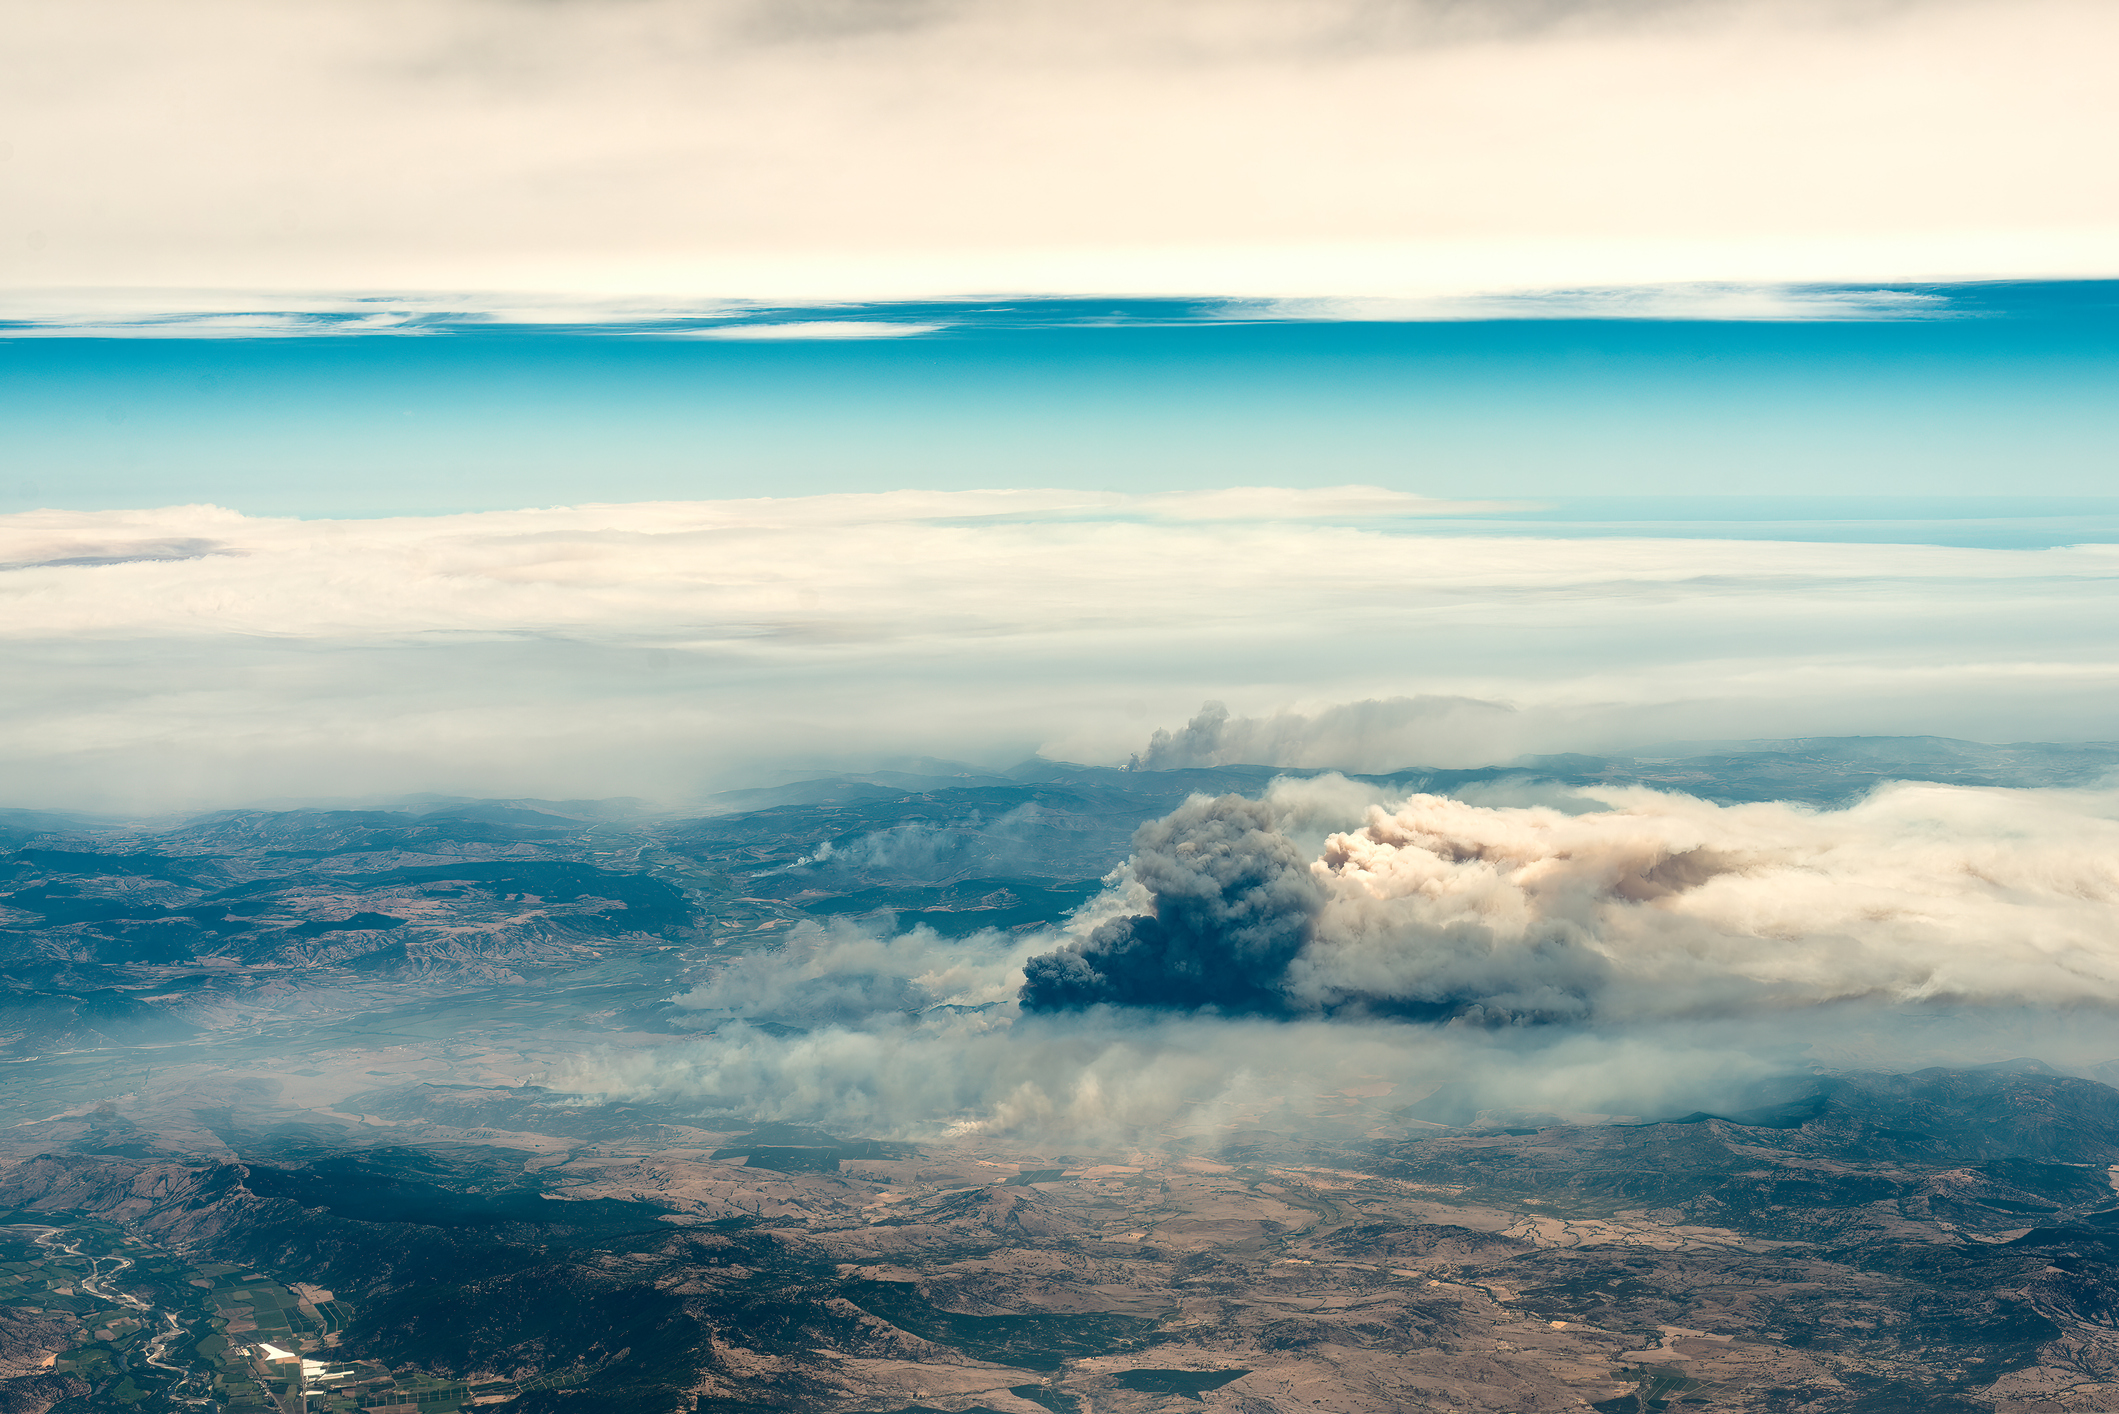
[630, 150]
[1905, 393]
[642, 397]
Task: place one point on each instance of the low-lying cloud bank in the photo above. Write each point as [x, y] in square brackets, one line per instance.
[192, 657]
[1636, 954]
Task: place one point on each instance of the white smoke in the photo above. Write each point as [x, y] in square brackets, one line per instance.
[848, 973]
[1118, 1080]
[1664, 904]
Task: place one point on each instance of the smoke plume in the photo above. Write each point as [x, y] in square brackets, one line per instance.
[1234, 901]
[1620, 954]
[1656, 905]
[1377, 735]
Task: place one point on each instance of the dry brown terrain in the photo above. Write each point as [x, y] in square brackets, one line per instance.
[1933, 1242]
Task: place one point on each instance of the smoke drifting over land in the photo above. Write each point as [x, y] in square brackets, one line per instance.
[1626, 953]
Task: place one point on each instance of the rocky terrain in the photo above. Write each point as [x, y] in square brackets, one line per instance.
[1936, 1241]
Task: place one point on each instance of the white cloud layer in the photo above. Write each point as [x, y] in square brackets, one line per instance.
[1262, 148]
[196, 656]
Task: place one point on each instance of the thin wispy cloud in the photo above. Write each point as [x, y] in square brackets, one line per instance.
[106, 314]
[1678, 301]
[814, 329]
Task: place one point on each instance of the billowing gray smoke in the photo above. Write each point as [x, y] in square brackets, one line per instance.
[1234, 904]
[1244, 923]
[1655, 906]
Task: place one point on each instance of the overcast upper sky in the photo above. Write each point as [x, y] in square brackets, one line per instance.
[882, 149]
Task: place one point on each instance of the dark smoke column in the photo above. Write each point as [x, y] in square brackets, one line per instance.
[1234, 904]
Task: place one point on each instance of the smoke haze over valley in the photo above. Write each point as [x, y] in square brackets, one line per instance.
[877, 983]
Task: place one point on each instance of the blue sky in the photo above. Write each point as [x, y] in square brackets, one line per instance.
[1998, 392]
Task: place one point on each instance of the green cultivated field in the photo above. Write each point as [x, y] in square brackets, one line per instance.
[224, 1312]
